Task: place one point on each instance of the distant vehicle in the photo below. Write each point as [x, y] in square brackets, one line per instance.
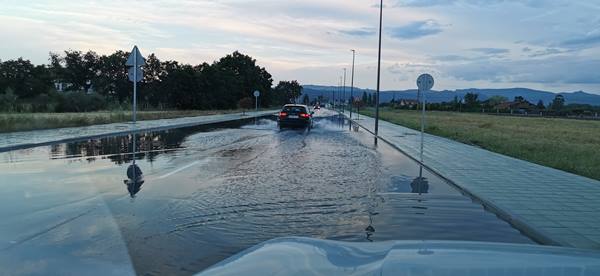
[317, 107]
[295, 115]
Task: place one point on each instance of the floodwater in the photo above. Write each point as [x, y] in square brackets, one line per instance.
[208, 192]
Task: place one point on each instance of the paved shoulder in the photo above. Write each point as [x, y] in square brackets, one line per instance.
[552, 206]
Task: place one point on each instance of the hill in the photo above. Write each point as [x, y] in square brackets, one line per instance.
[579, 97]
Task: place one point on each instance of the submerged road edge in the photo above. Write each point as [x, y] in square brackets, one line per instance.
[136, 130]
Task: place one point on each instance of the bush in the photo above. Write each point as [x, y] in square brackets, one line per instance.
[43, 103]
[8, 100]
[246, 103]
[77, 101]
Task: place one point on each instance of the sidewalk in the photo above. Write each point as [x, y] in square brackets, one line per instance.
[28, 139]
[552, 206]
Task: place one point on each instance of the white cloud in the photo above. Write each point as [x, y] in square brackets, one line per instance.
[465, 42]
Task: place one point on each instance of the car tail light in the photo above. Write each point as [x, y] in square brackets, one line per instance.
[282, 114]
[304, 115]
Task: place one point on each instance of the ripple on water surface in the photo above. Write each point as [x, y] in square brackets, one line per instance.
[210, 193]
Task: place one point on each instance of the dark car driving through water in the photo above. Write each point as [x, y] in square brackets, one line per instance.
[295, 115]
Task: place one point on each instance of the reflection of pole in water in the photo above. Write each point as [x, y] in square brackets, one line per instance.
[370, 229]
[420, 179]
[133, 168]
[134, 173]
[133, 150]
[420, 185]
[372, 203]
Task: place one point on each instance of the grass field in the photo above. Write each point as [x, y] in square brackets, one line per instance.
[568, 145]
[10, 122]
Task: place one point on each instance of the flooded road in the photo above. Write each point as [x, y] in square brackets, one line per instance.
[209, 192]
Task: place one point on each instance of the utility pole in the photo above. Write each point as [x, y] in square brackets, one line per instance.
[352, 84]
[333, 97]
[340, 92]
[344, 92]
[378, 72]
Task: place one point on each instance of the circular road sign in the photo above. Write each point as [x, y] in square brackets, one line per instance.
[425, 82]
[256, 93]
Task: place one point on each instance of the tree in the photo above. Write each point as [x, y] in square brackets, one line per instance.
[496, 100]
[519, 99]
[113, 81]
[365, 99]
[24, 79]
[154, 75]
[287, 91]
[245, 104]
[370, 99]
[240, 74]
[56, 67]
[80, 70]
[8, 100]
[305, 99]
[540, 105]
[358, 104]
[471, 100]
[220, 85]
[558, 103]
[181, 87]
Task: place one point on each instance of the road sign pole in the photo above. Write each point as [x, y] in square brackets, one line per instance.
[135, 88]
[256, 95]
[424, 83]
[135, 61]
[422, 123]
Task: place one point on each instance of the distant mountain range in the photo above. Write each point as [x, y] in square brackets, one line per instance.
[533, 96]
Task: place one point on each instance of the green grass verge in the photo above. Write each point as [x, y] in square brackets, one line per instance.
[568, 145]
[10, 122]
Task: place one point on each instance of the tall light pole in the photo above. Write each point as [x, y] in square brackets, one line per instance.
[333, 97]
[340, 93]
[344, 92]
[352, 84]
[378, 71]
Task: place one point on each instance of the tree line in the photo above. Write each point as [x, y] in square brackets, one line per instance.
[75, 81]
[500, 104]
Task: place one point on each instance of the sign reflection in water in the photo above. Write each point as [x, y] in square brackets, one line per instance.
[420, 185]
[134, 174]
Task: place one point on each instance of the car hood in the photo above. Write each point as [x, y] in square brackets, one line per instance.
[305, 256]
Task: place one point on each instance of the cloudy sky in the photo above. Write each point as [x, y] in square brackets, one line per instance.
[551, 45]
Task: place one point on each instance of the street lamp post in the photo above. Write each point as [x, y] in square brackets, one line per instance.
[333, 97]
[352, 84]
[344, 92]
[378, 72]
[340, 96]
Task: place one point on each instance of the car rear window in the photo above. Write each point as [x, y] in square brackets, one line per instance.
[294, 109]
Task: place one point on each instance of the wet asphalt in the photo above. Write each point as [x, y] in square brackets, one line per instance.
[209, 192]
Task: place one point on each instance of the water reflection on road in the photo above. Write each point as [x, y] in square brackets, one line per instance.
[209, 192]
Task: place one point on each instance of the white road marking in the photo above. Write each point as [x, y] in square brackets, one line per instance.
[180, 169]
